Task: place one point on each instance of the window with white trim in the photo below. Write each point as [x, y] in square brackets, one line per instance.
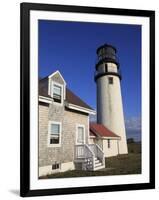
[55, 131]
[57, 93]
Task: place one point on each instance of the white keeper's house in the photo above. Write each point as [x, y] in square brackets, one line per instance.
[67, 138]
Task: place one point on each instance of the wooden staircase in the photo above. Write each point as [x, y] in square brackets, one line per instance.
[98, 164]
[90, 156]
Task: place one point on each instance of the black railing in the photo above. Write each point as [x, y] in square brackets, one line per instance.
[97, 74]
[106, 60]
[118, 72]
[107, 57]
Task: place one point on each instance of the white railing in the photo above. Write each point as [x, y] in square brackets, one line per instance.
[88, 152]
[79, 151]
[93, 148]
[83, 151]
[98, 152]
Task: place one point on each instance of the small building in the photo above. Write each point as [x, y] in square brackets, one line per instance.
[67, 138]
[106, 139]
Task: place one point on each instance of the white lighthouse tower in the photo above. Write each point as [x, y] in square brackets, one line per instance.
[109, 99]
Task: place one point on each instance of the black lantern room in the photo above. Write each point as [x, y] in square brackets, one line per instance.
[106, 54]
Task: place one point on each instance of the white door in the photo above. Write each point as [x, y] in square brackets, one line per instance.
[80, 139]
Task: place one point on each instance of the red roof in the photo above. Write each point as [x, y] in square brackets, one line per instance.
[101, 130]
[92, 133]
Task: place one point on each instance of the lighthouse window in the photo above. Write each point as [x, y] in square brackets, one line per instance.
[110, 80]
[106, 68]
[108, 143]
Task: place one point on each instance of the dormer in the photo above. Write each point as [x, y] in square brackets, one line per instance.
[57, 88]
[52, 90]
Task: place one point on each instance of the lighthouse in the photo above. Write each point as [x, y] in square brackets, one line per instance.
[109, 98]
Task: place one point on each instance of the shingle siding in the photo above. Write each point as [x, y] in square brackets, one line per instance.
[68, 119]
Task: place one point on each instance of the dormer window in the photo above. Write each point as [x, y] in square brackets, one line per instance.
[57, 88]
[57, 93]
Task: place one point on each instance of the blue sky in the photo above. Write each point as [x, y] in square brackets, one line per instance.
[70, 47]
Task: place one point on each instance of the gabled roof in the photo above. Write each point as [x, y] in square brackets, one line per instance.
[74, 99]
[57, 72]
[99, 130]
[92, 134]
[70, 96]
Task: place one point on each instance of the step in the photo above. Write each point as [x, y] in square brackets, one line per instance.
[100, 167]
[97, 161]
[98, 164]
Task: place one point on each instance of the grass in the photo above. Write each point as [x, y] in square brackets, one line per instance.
[118, 165]
[134, 147]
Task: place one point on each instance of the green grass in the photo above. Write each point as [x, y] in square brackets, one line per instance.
[118, 165]
[134, 147]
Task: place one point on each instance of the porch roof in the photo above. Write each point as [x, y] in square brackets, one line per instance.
[101, 131]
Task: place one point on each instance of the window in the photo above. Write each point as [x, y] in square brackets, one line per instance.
[101, 69]
[112, 67]
[55, 130]
[110, 80]
[57, 93]
[108, 143]
[55, 166]
[106, 68]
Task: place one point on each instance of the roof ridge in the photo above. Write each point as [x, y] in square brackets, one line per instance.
[43, 78]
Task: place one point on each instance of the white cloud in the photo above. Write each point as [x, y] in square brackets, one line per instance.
[133, 123]
[133, 128]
